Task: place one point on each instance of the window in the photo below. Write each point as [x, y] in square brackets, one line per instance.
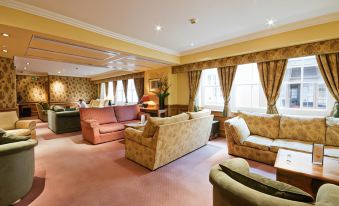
[110, 95]
[247, 93]
[120, 93]
[132, 96]
[303, 87]
[102, 91]
[209, 94]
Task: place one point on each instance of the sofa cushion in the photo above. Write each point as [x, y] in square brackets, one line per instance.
[203, 113]
[154, 122]
[292, 145]
[110, 127]
[265, 185]
[238, 129]
[6, 138]
[8, 120]
[20, 132]
[310, 129]
[130, 121]
[331, 151]
[266, 125]
[258, 142]
[126, 112]
[102, 115]
[332, 131]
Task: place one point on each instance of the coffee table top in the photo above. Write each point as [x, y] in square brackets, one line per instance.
[136, 124]
[301, 163]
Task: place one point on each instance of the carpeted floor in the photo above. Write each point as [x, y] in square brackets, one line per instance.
[69, 171]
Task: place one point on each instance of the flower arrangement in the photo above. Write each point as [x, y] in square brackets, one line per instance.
[162, 91]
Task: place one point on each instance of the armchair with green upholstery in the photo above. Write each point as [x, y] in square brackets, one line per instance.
[17, 167]
[42, 109]
[10, 122]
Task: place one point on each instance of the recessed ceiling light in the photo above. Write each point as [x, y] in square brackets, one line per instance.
[27, 63]
[5, 34]
[4, 50]
[158, 28]
[270, 22]
[192, 44]
[193, 21]
[25, 68]
[59, 72]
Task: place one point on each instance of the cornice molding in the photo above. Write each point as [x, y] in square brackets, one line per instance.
[80, 24]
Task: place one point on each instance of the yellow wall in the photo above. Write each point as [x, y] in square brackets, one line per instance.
[299, 36]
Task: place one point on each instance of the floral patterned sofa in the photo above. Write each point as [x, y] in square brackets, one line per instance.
[268, 133]
[164, 140]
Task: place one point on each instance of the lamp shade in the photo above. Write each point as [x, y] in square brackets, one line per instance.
[145, 98]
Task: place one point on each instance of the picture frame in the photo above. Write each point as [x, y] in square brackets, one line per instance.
[154, 84]
[318, 154]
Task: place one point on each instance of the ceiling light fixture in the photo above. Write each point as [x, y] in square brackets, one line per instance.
[27, 63]
[192, 44]
[270, 22]
[4, 50]
[5, 34]
[193, 21]
[59, 72]
[158, 28]
[25, 68]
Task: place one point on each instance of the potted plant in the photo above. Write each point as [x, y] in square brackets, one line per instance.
[162, 91]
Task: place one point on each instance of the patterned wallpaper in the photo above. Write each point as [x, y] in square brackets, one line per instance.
[7, 84]
[32, 90]
[70, 89]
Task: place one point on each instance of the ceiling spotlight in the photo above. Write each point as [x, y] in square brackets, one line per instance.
[59, 72]
[4, 50]
[158, 28]
[193, 21]
[27, 63]
[25, 68]
[5, 34]
[110, 62]
[192, 44]
[76, 68]
[270, 22]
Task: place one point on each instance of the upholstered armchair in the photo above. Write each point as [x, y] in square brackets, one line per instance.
[10, 122]
[42, 111]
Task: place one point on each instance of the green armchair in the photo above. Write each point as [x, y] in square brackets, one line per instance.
[16, 170]
[64, 121]
[42, 109]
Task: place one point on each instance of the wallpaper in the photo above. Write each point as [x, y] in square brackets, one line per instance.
[70, 89]
[31, 88]
[7, 84]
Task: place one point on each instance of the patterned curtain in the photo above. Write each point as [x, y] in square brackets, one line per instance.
[115, 91]
[139, 87]
[271, 74]
[106, 88]
[226, 77]
[329, 68]
[124, 84]
[193, 83]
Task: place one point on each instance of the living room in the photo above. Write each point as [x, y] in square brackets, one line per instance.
[189, 103]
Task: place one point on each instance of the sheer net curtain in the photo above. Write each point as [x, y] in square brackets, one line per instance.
[120, 94]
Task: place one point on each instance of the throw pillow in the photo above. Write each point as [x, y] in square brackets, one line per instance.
[239, 129]
[266, 185]
[200, 114]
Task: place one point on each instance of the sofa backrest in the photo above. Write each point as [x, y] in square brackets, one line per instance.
[332, 131]
[102, 115]
[8, 120]
[266, 125]
[310, 129]
[126, 112]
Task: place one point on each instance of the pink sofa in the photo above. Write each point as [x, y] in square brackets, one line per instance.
[105, 124]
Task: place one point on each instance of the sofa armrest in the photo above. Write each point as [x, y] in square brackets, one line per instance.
[328, 195]
[136, 136]
[92, 123]
[25, 124]
[10, 148]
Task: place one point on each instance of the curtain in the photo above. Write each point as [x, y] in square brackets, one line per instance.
[115, 91]
[139, 87]
[124, 84]
[193, 84]
[99, 90]
[106, 89]
[271, 75]
[226, 77]
[329, 69]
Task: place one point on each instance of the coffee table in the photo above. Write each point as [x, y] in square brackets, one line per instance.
[136, 125]
[297, 169]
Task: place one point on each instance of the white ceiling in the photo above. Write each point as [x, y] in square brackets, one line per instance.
[218, 20]
[44, 67]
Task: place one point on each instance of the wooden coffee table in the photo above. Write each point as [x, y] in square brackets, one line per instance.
[136, 125]
[297, 169]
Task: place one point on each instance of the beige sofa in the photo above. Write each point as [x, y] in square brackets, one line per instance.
[166, 139]
[94, 103]
[10, 122]
[268, 133]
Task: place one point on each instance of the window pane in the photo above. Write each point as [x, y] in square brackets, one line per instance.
[120, 93]
[308, 94]
[103, 91]
[132, 96]
[110, 91]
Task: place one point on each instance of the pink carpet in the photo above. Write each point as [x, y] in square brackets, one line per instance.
[70, 171]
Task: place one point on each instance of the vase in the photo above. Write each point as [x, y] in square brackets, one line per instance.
[336, 112]
[162, 101]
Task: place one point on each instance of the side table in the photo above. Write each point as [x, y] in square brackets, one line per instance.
[214, 130]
